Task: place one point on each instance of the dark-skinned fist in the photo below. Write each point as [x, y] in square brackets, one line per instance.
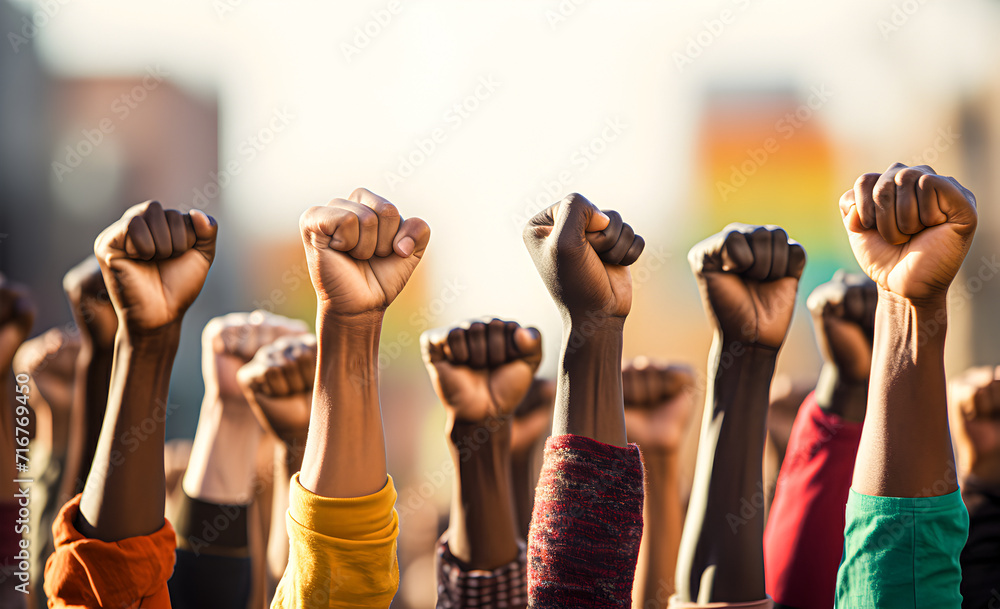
[843, 312]
[583, 255]
[154, 263]
[90, 302]
[748, 276]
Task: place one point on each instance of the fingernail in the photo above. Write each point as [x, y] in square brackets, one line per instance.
[604, 215]
[405, 246]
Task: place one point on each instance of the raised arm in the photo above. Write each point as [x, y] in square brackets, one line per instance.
[214, 565]
[804, 538]
[587, 522]
[910, 230]
[360, 253]
[97, 324]
[748, 277]
[481, 371]
[278, 384]
[658, 404]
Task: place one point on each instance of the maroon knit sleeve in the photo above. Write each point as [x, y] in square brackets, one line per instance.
[586, 525]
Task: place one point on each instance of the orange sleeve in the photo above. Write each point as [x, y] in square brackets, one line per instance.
[84, 573]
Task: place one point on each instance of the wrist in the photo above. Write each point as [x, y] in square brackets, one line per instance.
[367, 321]
[163, 340]
[919, 322]
[845, 398]
[469, 437]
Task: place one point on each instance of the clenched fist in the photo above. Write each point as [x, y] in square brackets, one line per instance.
[481, 369]
[17, 314]
[974, 406]
[910, 229]
[155, 262]
[232, 340]
[843, 311]
[583, 255]
[659, 400]
[91, 305]
[361, 252]
[278, 383]
[748, 276]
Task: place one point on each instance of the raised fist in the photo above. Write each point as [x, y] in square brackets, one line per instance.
[974, 406]
[910, 229]
[748, 276]
[155, 262]
[17, 314]
[90, 302]
[278, 383]
[481, 369]
[843, 311]
[230, 341]
[49, 360]
[361, 252]
[659, 401]
[583, 256]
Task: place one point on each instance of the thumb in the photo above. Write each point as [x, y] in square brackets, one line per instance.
[206, 229]
[577, 215]
[529, 345]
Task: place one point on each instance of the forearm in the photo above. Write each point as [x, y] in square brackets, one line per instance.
[721, 556]
[663, 519]
[8, 443]
[90, 398]
[124, 494]
[905, 446]
[481, 531]
[345, 452]
[844, 398]
[589, 392]
[221, 468]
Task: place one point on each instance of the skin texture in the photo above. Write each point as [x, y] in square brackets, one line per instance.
[154, 263]
[659, 400]
[97, 323]
[843, 313]
[223, 457]
[748, 277]
[910, 230]
[582, 255]
[481, 371]
[974, 406]
[529, 428]
[278, 384]
[360, 253]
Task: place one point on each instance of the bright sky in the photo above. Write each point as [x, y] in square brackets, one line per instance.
[556, 73]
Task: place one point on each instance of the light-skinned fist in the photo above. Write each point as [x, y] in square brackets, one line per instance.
[659, 400]
[481, 369]
[361, 252]
[910, 229]
[974, 409]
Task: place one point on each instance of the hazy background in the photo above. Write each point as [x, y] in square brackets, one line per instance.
[474, 116]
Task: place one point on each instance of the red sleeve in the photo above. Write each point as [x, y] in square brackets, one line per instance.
[804, 537]
[84, 572]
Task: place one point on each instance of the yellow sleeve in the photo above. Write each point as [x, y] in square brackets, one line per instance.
[342, 552]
